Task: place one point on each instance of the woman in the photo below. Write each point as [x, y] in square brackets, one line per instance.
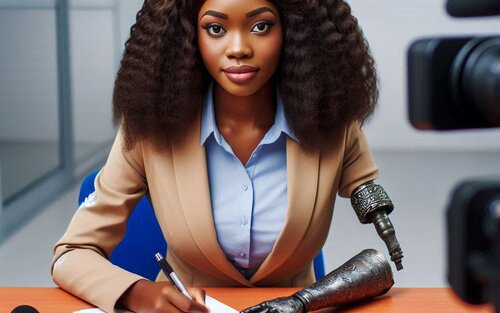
[241, 121]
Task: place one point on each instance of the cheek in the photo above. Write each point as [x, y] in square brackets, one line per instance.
[272, 51]
[209, 54]
[204, 50]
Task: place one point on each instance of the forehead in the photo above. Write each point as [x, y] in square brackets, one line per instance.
[235, 8]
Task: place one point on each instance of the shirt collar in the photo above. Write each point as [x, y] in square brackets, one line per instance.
[209, 126]
[280, 119]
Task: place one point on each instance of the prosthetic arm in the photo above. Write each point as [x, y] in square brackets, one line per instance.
[366, 275]
[373, 205]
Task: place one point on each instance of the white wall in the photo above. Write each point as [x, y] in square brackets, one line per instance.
[128, 10]
[390, 26]
[92, 49]
[99, 29]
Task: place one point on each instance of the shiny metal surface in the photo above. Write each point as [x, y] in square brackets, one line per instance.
[373, 205]
[366, 275]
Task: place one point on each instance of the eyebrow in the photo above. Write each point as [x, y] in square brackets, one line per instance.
[258, 11]
[248, 15]
[216, 14]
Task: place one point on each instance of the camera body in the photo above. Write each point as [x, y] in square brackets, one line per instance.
[454, 83]
[473, 218]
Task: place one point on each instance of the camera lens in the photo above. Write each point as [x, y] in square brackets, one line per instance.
[475, 79]
[481, 79]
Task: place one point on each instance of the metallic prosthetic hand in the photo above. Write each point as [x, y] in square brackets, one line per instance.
[366, 275]
[372, 204]
[290, 304]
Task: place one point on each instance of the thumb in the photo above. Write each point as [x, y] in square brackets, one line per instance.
[199, 300]
[198, 294]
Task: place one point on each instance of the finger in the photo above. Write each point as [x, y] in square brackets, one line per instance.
[183, 303]
[175, 298]
[167, 307]
[198, 307]
[259, 308]
[164, 302]
[198, 295]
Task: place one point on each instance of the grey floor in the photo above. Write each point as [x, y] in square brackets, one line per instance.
[419, 184]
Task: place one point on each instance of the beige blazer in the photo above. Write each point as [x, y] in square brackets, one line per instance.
[176, 181]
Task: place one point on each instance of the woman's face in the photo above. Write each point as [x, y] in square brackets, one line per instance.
[240, 43]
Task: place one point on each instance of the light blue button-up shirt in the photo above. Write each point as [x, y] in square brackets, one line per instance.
[249, 202]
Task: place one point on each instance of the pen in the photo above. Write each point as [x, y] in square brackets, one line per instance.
[169, 272]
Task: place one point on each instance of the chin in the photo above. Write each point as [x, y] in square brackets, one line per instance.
[240, 90]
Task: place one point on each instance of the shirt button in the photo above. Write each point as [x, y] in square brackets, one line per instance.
[242, 254]
[244, 220]
[245, 187]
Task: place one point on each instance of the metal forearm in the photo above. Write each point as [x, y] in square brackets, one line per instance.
[372, 205]
[364, 276]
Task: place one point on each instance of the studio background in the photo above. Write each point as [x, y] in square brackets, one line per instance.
[39, 84]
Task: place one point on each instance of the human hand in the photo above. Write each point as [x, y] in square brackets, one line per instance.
[162, 297]
[279, 305]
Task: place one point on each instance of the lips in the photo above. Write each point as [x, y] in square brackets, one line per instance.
[240, 69]
[240, 74]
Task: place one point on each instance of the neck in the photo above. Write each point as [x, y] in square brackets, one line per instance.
[256, 110]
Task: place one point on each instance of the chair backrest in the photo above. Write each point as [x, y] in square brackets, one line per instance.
[319, 265]
[144, 238]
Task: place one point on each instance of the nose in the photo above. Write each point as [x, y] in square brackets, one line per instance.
[238, 47]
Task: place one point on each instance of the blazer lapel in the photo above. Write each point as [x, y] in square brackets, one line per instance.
[192, 182]
[302, 177]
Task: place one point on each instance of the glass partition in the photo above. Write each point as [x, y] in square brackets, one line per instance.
[29, 103]
[58, 61]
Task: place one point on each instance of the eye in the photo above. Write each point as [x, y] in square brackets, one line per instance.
[214, 30]
[262, 27]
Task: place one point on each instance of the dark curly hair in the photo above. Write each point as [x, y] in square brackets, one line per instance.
[326, 74]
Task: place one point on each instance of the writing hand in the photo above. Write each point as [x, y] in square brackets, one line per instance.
[279, 305]
[162, 297]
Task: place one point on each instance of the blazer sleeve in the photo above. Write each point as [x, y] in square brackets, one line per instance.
[358, 165]
[80, 264]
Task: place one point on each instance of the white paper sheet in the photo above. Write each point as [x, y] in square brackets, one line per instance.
[214, 305]
[218, 307]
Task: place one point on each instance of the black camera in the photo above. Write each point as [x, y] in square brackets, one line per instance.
[473, 218]
[454, 83]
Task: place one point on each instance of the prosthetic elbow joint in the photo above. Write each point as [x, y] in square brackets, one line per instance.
[372, 205]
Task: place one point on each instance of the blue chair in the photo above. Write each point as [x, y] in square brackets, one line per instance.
[133, 254]
[319, 265]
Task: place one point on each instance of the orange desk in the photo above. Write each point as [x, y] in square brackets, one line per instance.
[407, 300]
